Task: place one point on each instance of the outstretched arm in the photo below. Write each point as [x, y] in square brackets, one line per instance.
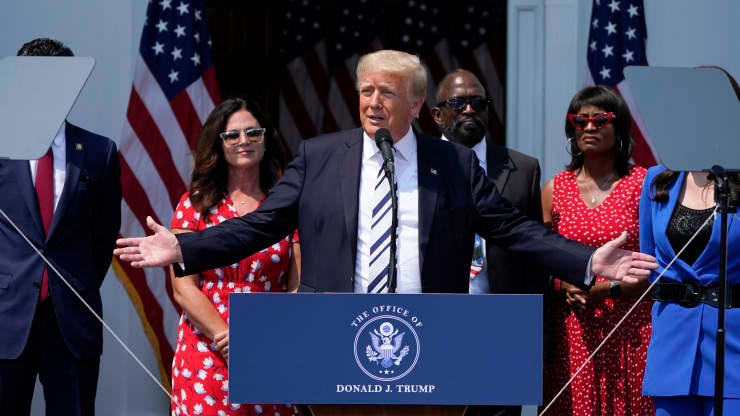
[500, 224]
[227, 242]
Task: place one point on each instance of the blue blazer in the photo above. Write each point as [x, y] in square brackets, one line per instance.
[319, 195]
[79, 244]
[681, 355]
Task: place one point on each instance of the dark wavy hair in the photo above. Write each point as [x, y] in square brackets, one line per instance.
[665, 179]
[607, 99]
[44, 47]
[210, 174]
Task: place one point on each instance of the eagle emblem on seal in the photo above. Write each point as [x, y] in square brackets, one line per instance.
[387, 346]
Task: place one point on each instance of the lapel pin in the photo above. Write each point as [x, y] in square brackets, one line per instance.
[78, 146]
[434, 171]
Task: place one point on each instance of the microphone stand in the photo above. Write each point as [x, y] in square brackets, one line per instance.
[390, 174]
[722, 196]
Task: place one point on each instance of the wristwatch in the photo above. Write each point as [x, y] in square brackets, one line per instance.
[615, 290]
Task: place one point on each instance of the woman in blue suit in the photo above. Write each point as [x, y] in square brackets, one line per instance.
[680, 364]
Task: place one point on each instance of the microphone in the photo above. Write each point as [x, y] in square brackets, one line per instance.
[384, 141]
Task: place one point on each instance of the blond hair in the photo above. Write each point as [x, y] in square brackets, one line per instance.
[396, 62]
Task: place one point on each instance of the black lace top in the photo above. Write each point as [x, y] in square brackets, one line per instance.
[683, 224]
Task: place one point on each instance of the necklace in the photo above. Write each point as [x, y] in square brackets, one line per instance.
[243, 199]
[595, 189]
[241, 202]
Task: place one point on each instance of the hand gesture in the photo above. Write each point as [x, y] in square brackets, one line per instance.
[156, 250]
[613, 263]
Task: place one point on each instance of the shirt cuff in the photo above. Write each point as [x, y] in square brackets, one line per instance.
[589, 276]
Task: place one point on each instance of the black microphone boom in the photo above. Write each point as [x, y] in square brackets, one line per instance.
[384, 141]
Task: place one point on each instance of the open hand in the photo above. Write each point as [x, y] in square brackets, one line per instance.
[156, 250]
[613, 263]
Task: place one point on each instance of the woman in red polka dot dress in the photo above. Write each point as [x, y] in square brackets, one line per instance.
[593, 201]
[239, 157]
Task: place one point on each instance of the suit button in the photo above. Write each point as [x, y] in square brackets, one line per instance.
[37, 285]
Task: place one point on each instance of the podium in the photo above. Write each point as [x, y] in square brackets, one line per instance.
[367, 354]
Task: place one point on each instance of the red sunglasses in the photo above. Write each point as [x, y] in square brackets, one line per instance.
[599, 120]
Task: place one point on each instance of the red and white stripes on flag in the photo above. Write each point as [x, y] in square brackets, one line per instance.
[174, 90]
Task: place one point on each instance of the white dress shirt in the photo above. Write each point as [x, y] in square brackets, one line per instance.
[58, 147]
[407, 179]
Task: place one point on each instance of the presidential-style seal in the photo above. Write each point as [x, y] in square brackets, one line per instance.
[386, 348]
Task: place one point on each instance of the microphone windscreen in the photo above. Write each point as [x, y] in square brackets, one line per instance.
[383, 135]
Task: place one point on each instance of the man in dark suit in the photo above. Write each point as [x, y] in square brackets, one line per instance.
[68, 203]
[330, 193]
[462, 115]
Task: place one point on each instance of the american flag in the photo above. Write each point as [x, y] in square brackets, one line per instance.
[616, 39]
[174, 91]
[321, 42]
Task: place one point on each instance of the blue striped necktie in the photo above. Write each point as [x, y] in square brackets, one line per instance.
[380, 233]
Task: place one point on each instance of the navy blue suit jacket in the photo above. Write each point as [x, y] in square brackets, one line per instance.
[80, 241]
[319, 195]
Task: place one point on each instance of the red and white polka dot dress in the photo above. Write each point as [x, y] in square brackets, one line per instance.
[200, 382]
[612, 383]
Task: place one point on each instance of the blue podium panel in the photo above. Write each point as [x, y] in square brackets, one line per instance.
[391, 349]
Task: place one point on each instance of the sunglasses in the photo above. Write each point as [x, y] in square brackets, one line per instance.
[459, 103]
[599, 121]
[254, 135]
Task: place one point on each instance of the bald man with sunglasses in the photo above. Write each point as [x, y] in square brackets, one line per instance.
[462, 116]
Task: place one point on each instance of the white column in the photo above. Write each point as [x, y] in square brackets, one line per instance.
[544, 56]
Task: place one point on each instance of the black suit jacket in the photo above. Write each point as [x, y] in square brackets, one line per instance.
[81, 237]
[319, 195]
[517, 179]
